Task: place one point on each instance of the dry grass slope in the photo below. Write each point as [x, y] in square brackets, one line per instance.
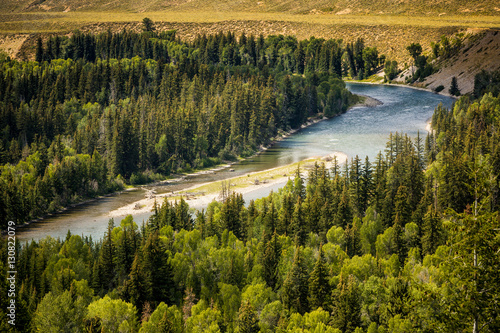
[325, 7]
[387, 24]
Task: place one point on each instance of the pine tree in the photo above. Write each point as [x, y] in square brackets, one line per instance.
[352, 239]
[344, 213]
[431, 233]
[39, 50]
[399, 246]
[107, 261]
[298, 185]
[247, 319]
[346, 314]
[136, 285]
[270, 262]
[454, 87]
[295, 287]
[158, 272]
[298, 226]
[319, 286]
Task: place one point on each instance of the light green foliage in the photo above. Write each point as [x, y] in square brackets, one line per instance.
[374, 300]
[259, 295]
[361, 267]
[369, 230]
[385, 243]
[114, 315]
[65, 312]
[230, 300]
[411, 236]
[204, 319]
[162, 315]
[270, 316]
[312, 322]
[336, 236]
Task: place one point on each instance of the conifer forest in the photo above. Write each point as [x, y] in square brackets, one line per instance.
[406, 242]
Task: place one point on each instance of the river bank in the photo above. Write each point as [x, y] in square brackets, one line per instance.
[199, 196]
[442, 93]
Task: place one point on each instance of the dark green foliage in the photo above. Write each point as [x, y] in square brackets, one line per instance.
[486, 82]
[150, 103]
[295, 287]
[319, 286]
[432, 232]
[391, 70]
[148, 24]
[439, 88]
[346, 314]
[270, 261]
[454, 87]
[415, 50]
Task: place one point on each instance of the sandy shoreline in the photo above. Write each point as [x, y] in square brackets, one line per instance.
[197, 198]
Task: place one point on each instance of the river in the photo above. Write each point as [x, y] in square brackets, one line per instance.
[362, 131]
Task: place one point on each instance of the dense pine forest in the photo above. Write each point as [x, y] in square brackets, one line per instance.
[408, 242]
[94, 112]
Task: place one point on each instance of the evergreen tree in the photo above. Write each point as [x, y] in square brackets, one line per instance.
[136, 286]
[319, 286]
[159, 281]
[431, 234]
[344, 212]
[39, 55]
[270, 261]
[107, 261]
[248, 321]
[346, 314]
[454, 87]
[295, 287]
[298, 226]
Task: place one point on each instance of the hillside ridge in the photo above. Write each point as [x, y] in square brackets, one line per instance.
[326, 7]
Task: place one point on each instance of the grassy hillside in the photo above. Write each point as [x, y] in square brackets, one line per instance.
[421, 7]
[387, 24]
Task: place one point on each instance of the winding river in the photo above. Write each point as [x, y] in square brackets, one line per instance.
[362, 131]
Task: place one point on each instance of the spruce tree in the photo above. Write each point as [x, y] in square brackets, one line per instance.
[454, 87]
[270, 261]
[344, 212]
[431, 234]
[295, 287]
[346, 314]
[158, 272]
[298, 226]
[319, 286]
[248, 321]
[39, 50]
[107, 261]
[136, 288]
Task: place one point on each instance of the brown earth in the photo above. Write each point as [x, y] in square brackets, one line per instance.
[481, 51]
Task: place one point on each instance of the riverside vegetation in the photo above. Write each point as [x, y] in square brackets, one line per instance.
[408, 242]
[95, 111]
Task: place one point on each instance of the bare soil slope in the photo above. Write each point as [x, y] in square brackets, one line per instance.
[480, 51]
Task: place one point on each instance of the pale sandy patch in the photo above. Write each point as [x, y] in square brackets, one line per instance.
[198, 197]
